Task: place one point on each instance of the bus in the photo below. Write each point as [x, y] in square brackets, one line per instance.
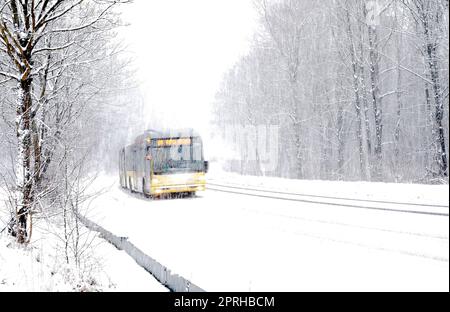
[164, 162]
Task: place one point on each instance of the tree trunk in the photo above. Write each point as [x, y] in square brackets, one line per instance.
[298, 142]
[397, 131]
[341, 142]
[438, 130]
[376, 100]
[24, 179]
[362, 165]
[364, 101]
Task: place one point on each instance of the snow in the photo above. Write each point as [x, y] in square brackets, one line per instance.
[125, 274]
[41, 266]
[400, 192]
[231, 242]
[38, 268]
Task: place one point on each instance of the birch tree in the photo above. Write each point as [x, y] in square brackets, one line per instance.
[38, 44]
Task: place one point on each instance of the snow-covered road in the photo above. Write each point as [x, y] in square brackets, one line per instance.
[233, 242]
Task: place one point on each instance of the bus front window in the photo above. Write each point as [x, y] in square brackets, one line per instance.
[176, 159]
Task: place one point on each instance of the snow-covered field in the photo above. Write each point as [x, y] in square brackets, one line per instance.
[415, 193]
[41, 265]
[232, 242]
[38, 268]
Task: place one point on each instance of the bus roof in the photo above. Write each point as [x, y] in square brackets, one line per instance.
[170, 133]
[165, 134]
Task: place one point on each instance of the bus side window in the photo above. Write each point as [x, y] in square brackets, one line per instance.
[197, 151]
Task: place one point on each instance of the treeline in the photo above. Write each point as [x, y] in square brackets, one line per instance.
[66, 103]
[358, 90]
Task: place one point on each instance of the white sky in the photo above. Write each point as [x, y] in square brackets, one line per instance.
[182, 49]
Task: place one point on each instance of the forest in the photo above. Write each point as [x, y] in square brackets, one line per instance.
[358, 90]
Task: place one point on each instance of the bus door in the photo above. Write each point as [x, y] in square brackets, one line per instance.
[122, 170]
[148, 165]
[135, 175]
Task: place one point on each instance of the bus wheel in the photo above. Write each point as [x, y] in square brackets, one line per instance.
[143, 189]
[130, 185]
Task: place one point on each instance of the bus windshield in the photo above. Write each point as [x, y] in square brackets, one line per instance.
[177, 158]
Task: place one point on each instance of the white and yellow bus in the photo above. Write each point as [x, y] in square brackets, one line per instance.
[164, 162]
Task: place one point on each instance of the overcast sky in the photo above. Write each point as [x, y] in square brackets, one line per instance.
[182, 49]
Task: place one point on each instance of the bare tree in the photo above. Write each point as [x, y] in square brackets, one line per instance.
[358, 88]
[429, 16]
[40, 42]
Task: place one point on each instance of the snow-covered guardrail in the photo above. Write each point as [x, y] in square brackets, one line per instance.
[173, 282]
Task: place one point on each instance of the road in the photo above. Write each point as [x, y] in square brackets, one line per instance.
[239, 241]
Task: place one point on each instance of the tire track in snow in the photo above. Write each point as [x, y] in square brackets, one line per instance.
[327, 197]
[225, 190]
